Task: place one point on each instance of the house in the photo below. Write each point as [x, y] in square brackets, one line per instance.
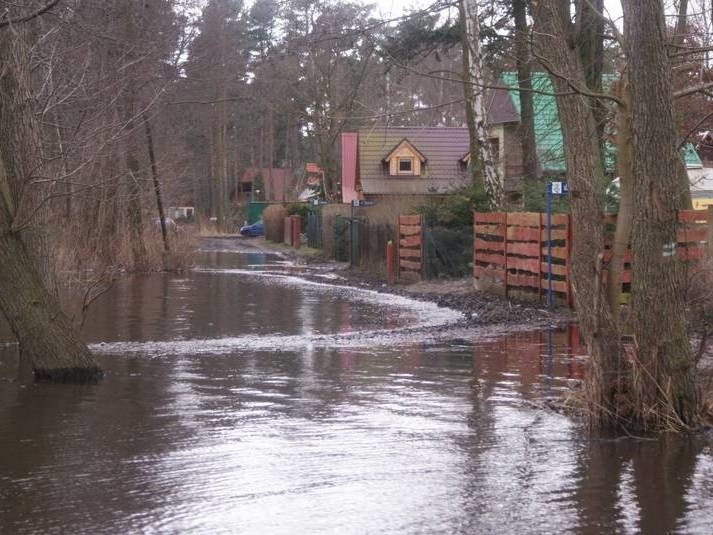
[426, 161]
[269, 184]
[418, 161]
[548, 131]
[311, 180]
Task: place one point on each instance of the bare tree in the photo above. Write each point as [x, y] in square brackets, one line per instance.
[481, 162]
[46, 337]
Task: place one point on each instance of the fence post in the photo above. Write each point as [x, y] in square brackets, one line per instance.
[423, 249]
[296, 231]
[709, 233]
[539, 246]
[390, 262]
[570, 297]
[475, 248]
[288, 231]
[505, 259]
[548, 203]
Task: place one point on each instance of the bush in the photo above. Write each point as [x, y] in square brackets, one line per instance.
[533, 197]
[456, 210]
[301, 209]
[273, 218]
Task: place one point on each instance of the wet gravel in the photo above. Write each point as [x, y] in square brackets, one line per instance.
[479, 308]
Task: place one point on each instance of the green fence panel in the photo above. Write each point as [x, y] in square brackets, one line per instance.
[255, 210]
[314, 230]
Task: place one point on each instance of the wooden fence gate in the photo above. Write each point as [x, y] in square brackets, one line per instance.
[410, 257]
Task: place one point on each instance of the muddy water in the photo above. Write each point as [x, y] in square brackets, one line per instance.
[240, 399]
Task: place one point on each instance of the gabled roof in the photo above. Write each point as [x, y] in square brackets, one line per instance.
[442, 146]
[407, 144]
[548, 132]
[500, 107]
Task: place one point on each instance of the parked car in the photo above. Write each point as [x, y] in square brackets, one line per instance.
[256, 229]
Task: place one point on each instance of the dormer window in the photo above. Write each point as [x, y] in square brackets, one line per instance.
[405, 166]
[405, 160]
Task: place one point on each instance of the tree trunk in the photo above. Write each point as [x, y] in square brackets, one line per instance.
[482, 162]
[21, 151]
[664, 394]
[220, 167]
[622, 234]
[134, 214]
[681, 29]
[586, 182]
[524, 80]
[590, 48]
[46, 337]
[156, 183]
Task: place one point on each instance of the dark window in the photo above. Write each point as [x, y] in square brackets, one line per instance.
[405, 166]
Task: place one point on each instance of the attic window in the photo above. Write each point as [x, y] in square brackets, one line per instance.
[405, 166]
[404, 160]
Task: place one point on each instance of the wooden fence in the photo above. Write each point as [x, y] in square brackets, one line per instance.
[510, 253]
[692, 239]
[410, 257]
[510, 250]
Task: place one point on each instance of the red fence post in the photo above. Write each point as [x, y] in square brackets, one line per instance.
[570, 297]
[390, 262]
[505, 245]
[475, 247]
[296, 231]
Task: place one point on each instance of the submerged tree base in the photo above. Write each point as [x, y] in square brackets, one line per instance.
[69, 375]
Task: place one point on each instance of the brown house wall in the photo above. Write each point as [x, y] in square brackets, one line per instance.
[512, 152]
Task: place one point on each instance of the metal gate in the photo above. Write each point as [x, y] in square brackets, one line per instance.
[314, 230]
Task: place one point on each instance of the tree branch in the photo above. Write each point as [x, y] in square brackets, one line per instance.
[31, 16]
[693, 89]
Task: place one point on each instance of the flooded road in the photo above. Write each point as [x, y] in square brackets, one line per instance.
[242, 399]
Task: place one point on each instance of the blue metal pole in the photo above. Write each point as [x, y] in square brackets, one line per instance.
[548, 199]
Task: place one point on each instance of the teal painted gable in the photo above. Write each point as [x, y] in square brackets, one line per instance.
[548, 131]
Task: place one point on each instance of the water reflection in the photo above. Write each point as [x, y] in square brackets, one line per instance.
[423, 437]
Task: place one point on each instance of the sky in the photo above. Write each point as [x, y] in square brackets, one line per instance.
[394, 8]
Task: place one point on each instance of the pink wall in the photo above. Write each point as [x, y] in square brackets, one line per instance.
[349, 166]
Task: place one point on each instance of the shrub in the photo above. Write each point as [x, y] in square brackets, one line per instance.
[273, 218]
[456, 210]
[534, 194]
[301, 209]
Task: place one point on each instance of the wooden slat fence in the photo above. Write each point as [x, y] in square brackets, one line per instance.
[510, 250]
[692, 238]
[510, 253]
[410, 256]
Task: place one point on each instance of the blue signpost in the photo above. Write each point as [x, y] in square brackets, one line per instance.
[559, 189]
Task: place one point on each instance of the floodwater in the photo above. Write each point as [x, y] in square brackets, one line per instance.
[239, 398]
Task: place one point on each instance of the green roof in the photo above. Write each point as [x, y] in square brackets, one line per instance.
[548, 131]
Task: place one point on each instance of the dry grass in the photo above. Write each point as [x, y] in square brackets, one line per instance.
[76, 260]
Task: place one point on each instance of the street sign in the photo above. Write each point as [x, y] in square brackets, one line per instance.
[559, 188]
[357, 203]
